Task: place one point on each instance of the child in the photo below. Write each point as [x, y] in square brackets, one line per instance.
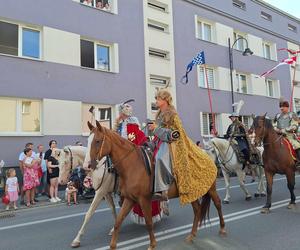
[12, 188]
[71, 190]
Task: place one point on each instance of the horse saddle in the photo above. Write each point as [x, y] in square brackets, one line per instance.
[292, 151]
[238, 152]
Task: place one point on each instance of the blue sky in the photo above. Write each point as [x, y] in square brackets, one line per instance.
[290, 6]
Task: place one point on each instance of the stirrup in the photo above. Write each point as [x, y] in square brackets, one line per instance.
[159, 196]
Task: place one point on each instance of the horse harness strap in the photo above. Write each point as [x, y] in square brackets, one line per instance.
[222, 161]
[104, 172]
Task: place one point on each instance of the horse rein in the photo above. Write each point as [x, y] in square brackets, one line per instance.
[222, 160]
[263, 136]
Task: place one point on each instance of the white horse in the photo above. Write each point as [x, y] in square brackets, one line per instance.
[222, 152]
[103, 182]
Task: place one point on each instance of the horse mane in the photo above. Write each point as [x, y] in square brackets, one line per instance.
[220, 143]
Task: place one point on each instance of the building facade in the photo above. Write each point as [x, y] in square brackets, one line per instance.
[58, 58]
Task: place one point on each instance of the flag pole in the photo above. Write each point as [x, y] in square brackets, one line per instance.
[293, 86]
[210, 100]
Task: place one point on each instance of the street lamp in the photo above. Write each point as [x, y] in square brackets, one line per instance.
[246, 52]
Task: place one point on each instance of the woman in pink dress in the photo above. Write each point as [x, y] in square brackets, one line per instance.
[30, 177]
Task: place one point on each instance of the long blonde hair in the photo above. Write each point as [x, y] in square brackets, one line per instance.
[166, 96]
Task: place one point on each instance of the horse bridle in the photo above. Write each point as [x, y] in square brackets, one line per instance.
[263, 136]
[113, 164]
[220, 159]
[71, 159]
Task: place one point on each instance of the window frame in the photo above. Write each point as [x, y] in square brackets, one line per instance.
[20, 28]
[157, 6]
[208, 120]
[158, 26]
[237, 35]
[239, 4]
[98, 107]
[275, 88]
[18, 118]
[266, 16]
[157, 53]
[200, 36]
[111, 65]
[238, 83]
[112, 5]
[249, 120]
[292, 28]
[160, 78]
[214, 74]
[264, 50]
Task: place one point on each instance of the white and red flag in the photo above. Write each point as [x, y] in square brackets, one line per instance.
[287, 61]
[293, 52]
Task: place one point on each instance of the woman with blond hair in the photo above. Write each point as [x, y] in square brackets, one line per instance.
[177, 157]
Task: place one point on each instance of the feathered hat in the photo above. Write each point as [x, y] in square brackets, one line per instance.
[125, 108]
[237, 108]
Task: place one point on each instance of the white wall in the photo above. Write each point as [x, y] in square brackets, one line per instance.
[61, 117]
[61, 46]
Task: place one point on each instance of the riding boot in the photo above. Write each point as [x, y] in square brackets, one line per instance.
[297, 164]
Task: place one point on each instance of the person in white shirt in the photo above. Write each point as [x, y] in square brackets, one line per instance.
[12, 188]
[88, 2]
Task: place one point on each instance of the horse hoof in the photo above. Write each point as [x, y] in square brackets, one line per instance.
[189, 239]
[248, 198]
[263, 195]
[75, 244]
[225, 202]
[223, 232]
[265, 210]
[256, 195]
[291, 206]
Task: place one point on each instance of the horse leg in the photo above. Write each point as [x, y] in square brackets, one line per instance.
[125, 209]
[147, 210]
[111, 204]
[269, 178]
[261, 188]
[241, 176]
[227, 186]
[197, 212]
[95, 203]
[217, 202]
[290, 176]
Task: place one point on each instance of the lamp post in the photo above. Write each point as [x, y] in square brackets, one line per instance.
[246, 52]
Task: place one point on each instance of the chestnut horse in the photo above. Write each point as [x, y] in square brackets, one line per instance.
[135, 183]
[276, 158]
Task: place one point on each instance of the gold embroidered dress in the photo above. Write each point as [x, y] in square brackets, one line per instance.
[193, 169]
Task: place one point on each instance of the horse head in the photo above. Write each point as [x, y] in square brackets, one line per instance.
[260, 128]
[99, 144]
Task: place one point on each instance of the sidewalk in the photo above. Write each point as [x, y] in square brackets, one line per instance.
[43, 201]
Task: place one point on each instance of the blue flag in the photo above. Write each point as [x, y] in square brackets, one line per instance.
[197, 60]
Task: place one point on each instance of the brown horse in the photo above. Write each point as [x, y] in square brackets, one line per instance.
[276, 158]
[135, 183]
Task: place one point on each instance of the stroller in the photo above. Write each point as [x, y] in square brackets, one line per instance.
[82, 183]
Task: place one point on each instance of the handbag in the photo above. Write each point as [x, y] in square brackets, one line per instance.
[5, 199]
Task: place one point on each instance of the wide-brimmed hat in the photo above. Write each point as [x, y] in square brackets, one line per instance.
[234, 114]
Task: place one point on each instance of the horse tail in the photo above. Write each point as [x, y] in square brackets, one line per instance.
[205, 204]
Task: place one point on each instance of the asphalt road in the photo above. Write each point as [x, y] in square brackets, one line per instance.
[55, 227]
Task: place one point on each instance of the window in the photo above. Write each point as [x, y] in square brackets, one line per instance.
[292, 28]
[159, 53]
[103, 114]
[240, 44]
[246, 120]
[267, 50]
[158, 26]
[242, 86]
[154, 107]
[157, 5]
[266, 16]
[159, 80]
[28, 46]
[31, 43]
[8, 38]
[239, 4]
[297, 105]
[205, 31]
[105, 5]
[206, 119]
[95, 55]
[210, 77]
[21, 116]
[103, 57]
[272, 88]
